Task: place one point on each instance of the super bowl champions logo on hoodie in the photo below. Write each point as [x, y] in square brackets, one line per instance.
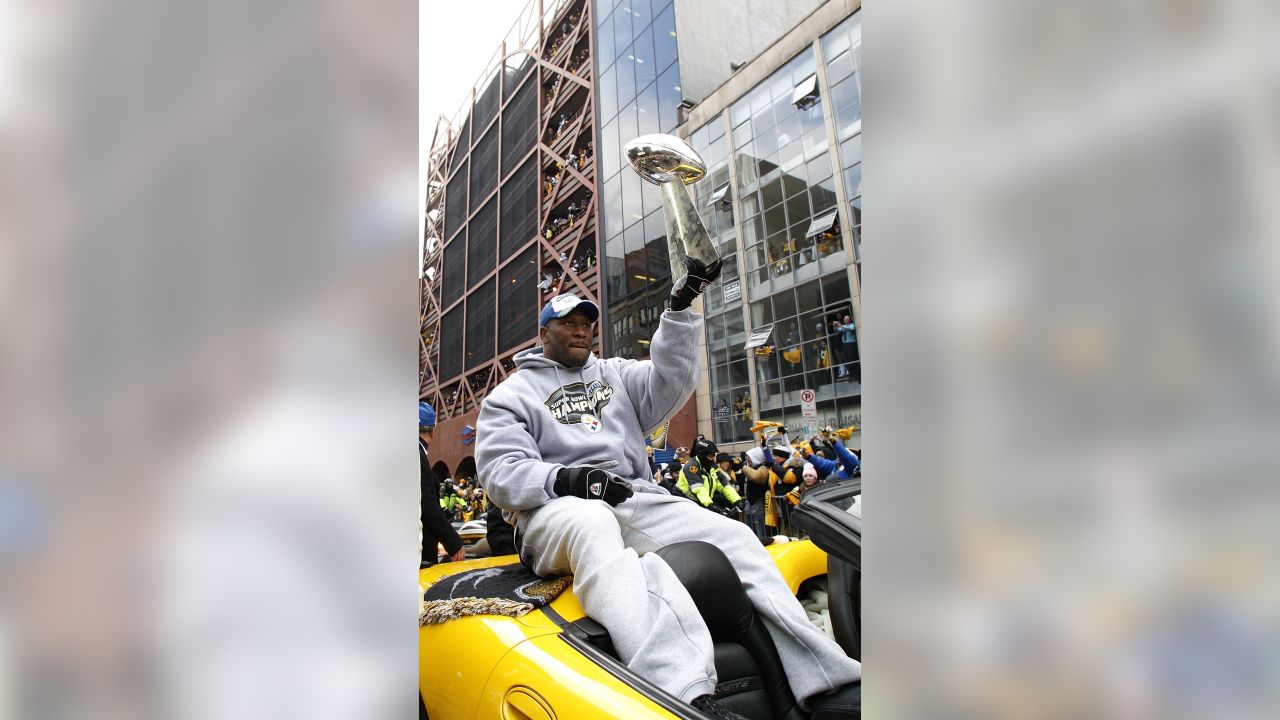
[578, 403]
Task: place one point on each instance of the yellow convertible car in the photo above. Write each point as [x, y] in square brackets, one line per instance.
[554, 662]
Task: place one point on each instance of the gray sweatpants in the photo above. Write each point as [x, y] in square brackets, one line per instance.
[653, 622]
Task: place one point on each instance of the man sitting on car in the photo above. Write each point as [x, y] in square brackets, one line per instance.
[560, 446]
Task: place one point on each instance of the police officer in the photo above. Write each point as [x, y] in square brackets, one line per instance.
[700, 480]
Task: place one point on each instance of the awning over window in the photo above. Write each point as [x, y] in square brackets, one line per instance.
[718, 195]
[806, 92]
[759, 337]
[821, 224]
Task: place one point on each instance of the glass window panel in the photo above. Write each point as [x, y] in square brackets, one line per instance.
[775, 220]
[626, 74]
[839, 67]
[761, 313]
[837, 40]
[798, 208]
[771, 193]
[791, 185]
[822, 197]
[451, 352]
[641, 13]
[518, 298]
[632, 202]
[752, 230]
[734, 324]
[846, 106]
[614, 269]
[647, 111]
[613, 204]
[455, 201]
[519, 126]
[484, 167]
[713, 297]
[628, 129]
[835, 292]
[747, 173]
[853, 181]
[819, 169]
[715, 129]
[762, 123]
[482, 242]
[645, 66]
[791, 155]
[810, 119]
[455, 266]
[604, 42]
[784, 306]
[664, 37]
[637, 258]
[610, 151]
[809, 297]
[480, 324]
[606, 90]
[815, 145]
[851, 151]
[738, 372]
[766, 140]
[519, 211]
[621, 30]
[668, 98]
[802, 66]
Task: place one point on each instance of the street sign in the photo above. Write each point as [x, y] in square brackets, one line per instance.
[807, 406]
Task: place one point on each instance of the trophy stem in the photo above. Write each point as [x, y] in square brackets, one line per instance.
[684, 230]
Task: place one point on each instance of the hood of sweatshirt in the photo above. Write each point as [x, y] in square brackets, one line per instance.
[534, 358]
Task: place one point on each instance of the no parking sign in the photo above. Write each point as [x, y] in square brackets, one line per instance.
[808, 408]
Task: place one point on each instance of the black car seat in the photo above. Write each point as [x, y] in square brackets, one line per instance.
[752, 682]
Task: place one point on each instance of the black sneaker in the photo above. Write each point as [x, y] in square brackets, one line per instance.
[707, 705]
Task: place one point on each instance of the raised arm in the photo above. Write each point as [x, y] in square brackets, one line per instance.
[661, 384]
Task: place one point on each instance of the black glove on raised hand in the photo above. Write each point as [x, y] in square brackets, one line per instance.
[592, 484]
[692, 285]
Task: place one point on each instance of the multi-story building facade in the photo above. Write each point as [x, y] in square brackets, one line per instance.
[514, 216]
[782, 140]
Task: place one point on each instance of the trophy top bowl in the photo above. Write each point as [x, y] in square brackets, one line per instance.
[663, 158]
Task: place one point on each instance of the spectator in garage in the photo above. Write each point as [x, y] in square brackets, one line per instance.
[435, 526]
[560, 446]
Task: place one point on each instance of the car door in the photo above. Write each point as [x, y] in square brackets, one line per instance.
[832, 516]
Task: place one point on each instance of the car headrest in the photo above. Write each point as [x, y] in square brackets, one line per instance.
[713, 584]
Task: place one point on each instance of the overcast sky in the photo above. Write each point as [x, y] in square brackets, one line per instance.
[456, 39]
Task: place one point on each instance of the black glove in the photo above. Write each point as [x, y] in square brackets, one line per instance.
[691, 286]
[592, 484]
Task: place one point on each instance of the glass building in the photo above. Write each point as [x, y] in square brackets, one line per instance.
[781, 157]
[638, 94]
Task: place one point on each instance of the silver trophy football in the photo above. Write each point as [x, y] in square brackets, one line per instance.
[670, 163]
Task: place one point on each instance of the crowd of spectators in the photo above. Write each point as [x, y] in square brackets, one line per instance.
[760, 486]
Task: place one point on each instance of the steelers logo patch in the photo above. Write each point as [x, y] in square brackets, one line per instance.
[591, 423]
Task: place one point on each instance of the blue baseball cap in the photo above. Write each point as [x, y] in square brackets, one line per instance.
[426, 415]
[561, 305]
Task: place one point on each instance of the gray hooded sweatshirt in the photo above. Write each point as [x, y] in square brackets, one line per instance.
[547, 416]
